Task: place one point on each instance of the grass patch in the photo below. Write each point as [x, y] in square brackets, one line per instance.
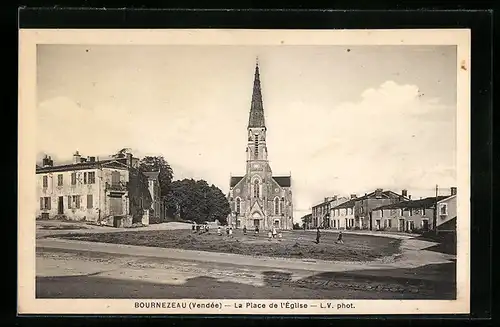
[296, 244]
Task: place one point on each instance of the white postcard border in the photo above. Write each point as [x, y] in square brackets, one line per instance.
[28, 40]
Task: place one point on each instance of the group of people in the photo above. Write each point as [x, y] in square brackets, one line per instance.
[200, 229]
[229, 231]
[339, 239]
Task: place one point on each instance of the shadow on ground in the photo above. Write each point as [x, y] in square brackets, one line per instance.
[368, 284]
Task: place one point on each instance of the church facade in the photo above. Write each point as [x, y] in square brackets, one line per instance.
[259, 198]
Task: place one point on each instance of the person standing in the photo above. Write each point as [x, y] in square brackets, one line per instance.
[219, 231]
[274, 232]
[318, 235]
[339, 239]
[245, 230]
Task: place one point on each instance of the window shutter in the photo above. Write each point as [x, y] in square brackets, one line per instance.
[49, 203]
[41, 203]
[89, 201]
[69, 201]
[77, 202]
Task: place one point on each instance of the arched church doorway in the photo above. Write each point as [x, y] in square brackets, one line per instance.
[256, 219]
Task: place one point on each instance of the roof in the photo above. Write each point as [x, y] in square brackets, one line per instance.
[151, 174]
[421, 203]
[448, 197]
[256, 118]
[235, 180]
[283, 181]
[352, 202]
[120, 163]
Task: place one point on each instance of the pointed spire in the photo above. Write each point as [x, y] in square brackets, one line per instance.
[256, 118]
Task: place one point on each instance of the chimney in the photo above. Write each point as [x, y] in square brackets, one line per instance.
[82, 160]
[404, 193]
[409, 196]
[378, 192]
[129, 159]
[353, 196]
[76, 157]
[91, 159]
[46, 162]
[51, 162]
[453, 190]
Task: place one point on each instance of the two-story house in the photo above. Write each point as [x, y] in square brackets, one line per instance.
[357, 212]
[92, 190]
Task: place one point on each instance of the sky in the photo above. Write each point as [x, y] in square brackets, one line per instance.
[342, 120]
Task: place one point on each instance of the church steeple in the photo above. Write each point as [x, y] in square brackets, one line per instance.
[256, 118]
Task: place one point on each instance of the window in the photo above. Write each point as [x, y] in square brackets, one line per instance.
[256, 189]
[276, 206]
[256, 146]
[90, 201]
[84, 178]
[60, 180]
[45, 203]
[282, 205]
[238, 205]
[115, 178]
[91, 177]
[334, 223]
[443, 209]
[73, 178]
[45, 181]
[74, 202]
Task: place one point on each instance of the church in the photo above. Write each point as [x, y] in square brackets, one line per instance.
[259, 198]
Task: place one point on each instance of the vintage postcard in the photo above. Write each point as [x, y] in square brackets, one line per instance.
[283, 172]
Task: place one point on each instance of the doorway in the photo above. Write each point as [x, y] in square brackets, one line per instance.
[115, 206]
[401, 225]
[256, 222]
[425, 225]
[60, 205]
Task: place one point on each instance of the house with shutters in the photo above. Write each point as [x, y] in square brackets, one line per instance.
[111, 191]
[418, 215]
[356, 213]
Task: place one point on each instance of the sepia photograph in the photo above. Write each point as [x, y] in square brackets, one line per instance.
[244, 172]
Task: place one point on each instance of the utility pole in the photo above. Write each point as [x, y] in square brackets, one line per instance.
[434, 218]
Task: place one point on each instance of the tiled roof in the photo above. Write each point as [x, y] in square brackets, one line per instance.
[283, 181]
[235, 180]
[420, 203]
[151, 174]
[352, 202]
[115, 163]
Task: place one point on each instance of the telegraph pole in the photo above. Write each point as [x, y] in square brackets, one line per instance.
[434, 222]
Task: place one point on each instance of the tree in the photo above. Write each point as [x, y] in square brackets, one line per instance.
[197, 201]
[158, 163]
[307, 219]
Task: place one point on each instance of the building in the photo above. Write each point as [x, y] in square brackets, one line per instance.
[110, 191]
[416, 215]
[446, 218]
[357, 211]
[157, 211]
[259, 198]
[321, 213]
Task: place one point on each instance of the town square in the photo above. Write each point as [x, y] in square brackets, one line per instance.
[246, 172]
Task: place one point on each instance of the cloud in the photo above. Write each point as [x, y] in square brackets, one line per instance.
[391, 137]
